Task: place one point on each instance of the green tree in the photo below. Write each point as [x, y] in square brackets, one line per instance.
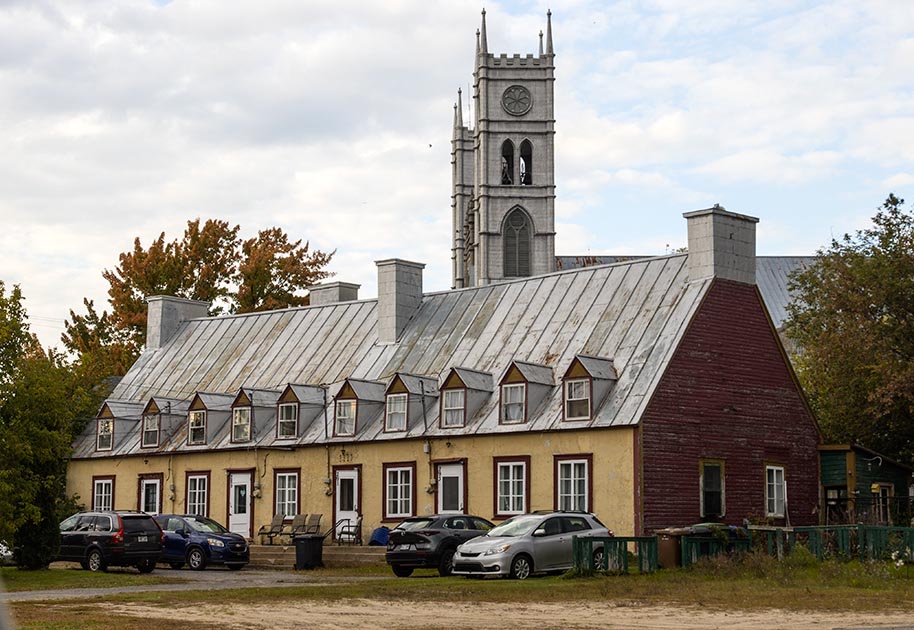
[853, 320]
[41, 400]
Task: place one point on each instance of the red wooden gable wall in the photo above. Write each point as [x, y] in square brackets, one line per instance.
[729, 395]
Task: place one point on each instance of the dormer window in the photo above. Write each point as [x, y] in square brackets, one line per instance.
[577, 399]
[105, 434]
[396, 412]
[150, 438]
[513, 403]
[453, 408]
[287, 420]
[241, 424]
[196, 427]
[344, 421]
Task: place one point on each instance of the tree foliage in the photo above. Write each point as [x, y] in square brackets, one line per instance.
[853, 319]
[210, 263]
[42, 402]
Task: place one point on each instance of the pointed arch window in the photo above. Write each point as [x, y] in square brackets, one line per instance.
[507, 162]
[517, 235]
[526, 163]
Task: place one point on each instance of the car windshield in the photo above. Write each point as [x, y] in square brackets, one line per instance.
[517, 526]
[205, 525]
[419, 523]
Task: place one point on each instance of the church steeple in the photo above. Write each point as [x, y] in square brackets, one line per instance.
[503, 198]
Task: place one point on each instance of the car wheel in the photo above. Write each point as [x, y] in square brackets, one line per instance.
[521, 567]
[94, 561]
[446, 565]
[146, 566]
[598, 560]
[235, 567]
[176, 565]
[401, 571]
[195, 559]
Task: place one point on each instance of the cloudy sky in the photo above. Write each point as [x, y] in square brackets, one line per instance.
[332, 119]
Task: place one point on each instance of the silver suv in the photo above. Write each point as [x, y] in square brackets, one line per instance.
[527, 544]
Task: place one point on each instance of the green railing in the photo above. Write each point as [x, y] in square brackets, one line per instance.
[615, 556]
[866, 542]
[695, 547]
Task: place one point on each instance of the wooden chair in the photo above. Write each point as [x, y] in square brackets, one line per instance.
[313, 525]
[274, 530]
[350, 532]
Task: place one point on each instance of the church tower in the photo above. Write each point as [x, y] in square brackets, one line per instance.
[503, 170]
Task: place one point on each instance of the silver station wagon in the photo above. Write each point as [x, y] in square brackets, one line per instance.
[528, 544]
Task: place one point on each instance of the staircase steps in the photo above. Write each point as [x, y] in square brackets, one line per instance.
[282, 556]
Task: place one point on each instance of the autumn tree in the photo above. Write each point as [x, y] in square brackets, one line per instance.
[273, 271]
[42, 403]
[853, 319]
[210, 263]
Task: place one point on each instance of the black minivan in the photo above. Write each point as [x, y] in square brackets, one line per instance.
[98, 540]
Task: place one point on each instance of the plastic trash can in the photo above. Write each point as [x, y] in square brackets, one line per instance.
[379, 537]
[309, 551]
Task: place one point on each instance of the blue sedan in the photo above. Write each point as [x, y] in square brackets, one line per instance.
[200, 541]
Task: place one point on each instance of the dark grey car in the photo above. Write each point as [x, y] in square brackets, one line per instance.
[430, 541]
[528, 544]
[98, 540]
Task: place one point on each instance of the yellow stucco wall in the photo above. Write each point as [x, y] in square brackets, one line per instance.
[612, 474]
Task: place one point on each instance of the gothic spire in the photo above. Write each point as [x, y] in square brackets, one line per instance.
[458, 115]
[483, 44]
[541, 43]
[549, 50]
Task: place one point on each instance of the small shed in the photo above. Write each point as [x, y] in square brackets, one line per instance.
[862, 486]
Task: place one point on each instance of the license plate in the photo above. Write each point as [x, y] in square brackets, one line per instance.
[142, 539]
[405, 547]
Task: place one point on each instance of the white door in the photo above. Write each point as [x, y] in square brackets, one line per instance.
[150, 491]
[450, 489]
[347, 496]
[239, 520]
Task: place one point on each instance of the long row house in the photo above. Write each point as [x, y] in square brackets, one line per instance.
[652, 391]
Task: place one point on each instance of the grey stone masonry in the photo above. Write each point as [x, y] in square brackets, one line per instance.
[399, 296]
[333, 293]
[166, 313]
[721, 245]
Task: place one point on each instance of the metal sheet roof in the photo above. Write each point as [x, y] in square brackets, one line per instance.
[633, 313]
[772, 274]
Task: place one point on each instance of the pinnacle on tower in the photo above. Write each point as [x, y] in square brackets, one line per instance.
[541, 43]
[484, 46]
[460, 107]
[549, 50]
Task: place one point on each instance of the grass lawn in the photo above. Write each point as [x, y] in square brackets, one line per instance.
[754, 583]
[54, 579]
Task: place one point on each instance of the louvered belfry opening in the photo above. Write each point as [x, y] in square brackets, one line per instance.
[517, 235]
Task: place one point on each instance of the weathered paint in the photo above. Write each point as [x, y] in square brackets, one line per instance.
[728, 394]
[612, 475]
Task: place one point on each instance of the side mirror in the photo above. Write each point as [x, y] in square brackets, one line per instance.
[183, 533]
[539, 532]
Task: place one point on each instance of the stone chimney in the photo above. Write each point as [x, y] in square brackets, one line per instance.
[165, 314]
[333, 292]
[399, 296]
[721, 245]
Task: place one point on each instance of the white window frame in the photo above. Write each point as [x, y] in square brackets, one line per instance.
[512, 475]
[241, 424]
[196, 421]
[108, 443]
[451, 408]
[286, 421]
[398, 491]
[572, 396]
[513, 387]
[344, 424]
[197, 494]
[156, 483]
[145, 430]
[286, 493]
[775, 491]
[103, 495]
[395, 419]
[569, 479]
